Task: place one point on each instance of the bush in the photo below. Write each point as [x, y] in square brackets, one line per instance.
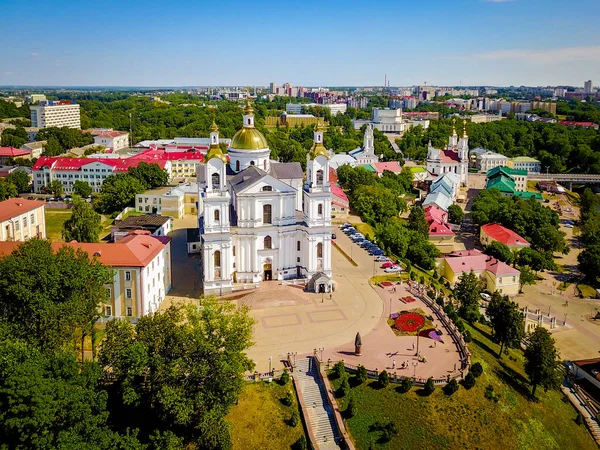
[579, 419]
[467, 336]
[469, 381]
[344, 388]
[362, 374]
[440, 300]
[429, 386]
[476, 370]
[460, 325]
[412, 275]
[285, 378]
[388, 429]
[288, 400]
[351, 408]
[339, 369]
[431, 293]
[406, 385]
[490, 394]
[435, 274]
[300, 444]
[422, 280]
[451, 387]
[384, 378]
[295, 419]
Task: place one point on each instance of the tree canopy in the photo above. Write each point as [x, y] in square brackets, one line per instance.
[118, 191]
[84, 225]
[455, 214]
[506, 321]
[541, 361]
[82, 188]
[499, 251]
[150, 175]
[20, 179]
[467, 291]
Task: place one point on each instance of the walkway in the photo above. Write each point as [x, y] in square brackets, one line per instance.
[314, 397]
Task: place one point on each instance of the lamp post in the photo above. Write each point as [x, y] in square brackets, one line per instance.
[415, 364]
[270, 364]
[418, 331]
[321, 350]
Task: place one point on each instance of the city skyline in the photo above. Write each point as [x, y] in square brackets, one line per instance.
[463, 42]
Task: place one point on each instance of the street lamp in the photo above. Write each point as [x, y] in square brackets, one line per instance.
[415, 364]
[270, 364]
[321, 350]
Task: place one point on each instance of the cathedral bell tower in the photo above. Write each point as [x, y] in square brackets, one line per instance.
[317, 190]
[453, 141]
[463, 144]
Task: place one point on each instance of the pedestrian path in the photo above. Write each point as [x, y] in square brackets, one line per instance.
[320, 415]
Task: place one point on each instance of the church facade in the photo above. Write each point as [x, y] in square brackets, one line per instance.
[259, 219]
[366, 155]
[454, 158]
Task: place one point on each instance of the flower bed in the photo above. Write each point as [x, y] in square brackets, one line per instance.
[410, 323]
[386, 284]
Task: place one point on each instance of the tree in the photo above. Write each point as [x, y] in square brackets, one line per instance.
[7, 190]
[181, 369]
[53, 148]
[56, 188]
[417, 222]
[469, 381]
[500, 251]
[150, 175]
[118, 191]
[429, 386]
[82, 188]
[541, 361]
[451, 387]
[384, 378]
[455, 214]
[506, 321]
[47, 295]
[477, 369]
[84, 225]
[351, 408]
[527, 277]
[20, 179]
[406, 385]
[467, 292]
[362, 374]
[589, 262]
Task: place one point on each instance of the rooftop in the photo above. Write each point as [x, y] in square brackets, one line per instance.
[503, 234]
[392, 166]
[151, 222]
[479, 263]
[12, 152]
[70, 164]
[524, 159]
[15, 206]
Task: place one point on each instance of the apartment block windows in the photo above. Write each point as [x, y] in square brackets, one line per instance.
[127, 293]
[129, 311]
[127, 275]
[108, 310]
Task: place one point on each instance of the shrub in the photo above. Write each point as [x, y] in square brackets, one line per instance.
[460, 326]
[451, 387]
[406, 385]
[422, 280]
[469, 381]
[384, 378]
[429, 386]
[295, 419]
[300, 444]
[467, 336]
[440, 301]
[476, 370]
[351, 408]
[435, 274]
[339, 369]
[362, 374]
[288, 400]
[285, 377]
[490, 394]
[412, 275]
[579, 419]
[389, 430]
[431, 293]
[344, 388]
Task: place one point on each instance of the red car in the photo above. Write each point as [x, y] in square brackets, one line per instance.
[385, 265]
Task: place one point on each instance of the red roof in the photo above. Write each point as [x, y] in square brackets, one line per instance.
[16, 206]
[433, 213]
[392, 166]
[339, 193]
[155, 154]
[437, 228]
[333, 178]
[479, 263]
[70, 164]
[12, 152]
[137, 249]
[448, 156]
[502, 234]
[570, 123]
[471, 252]
[111, 134]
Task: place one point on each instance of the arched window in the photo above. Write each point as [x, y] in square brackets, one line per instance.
[217, 264]
[267, 214]
[298, 246]
[265, 165]
[320, 209]
[237, 166]
[319, 250]
[267, 188]
[320, 177]
[217, 215]
[216, 180]
[268, 242]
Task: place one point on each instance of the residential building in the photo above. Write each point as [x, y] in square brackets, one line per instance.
[496, 275]
[272, 87]
[114, 140]
[55, 114]
[495, 232]
[156, 225]
[366, 154]
[22, 219]
[294, 120]
[260, 224]
[490, 160]
[440, 233]
[297, 108]
[7, 153]
[91, 170]
[454, 158]
[531, 165]
[35, 98]
[586, 125]
[588, 88]
[169, 201]
[141, 266]
[550, 186]
[546, 106]
[340, 159]
[35, 148]
[339, 201]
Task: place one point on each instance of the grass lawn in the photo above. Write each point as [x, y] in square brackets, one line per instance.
[54, 222]
[364, 229]
[261, 421]
[393, 277]
[468, 419]
[586, 290]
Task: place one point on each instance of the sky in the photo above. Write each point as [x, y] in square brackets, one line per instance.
[306, 43]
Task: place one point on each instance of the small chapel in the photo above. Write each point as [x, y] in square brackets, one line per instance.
[262, 220]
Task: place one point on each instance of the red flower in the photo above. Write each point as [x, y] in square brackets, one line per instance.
[410, 322]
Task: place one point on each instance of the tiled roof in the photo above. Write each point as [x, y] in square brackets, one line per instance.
[433, 213]
[502, 234]
[12, 152]
[155, 154]
[392, 166]
[338, 192]
[70, 164]
[479, 263]
[438, 228]
[449, 156]
[570, 123]
[16, 206]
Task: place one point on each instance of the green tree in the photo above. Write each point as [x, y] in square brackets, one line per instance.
[82, 188]
[181, 369]
[506, 321]
[384, 378]
[53, 147]
[417, 222]
[451, 387]
[118, 191]
[500, 251]
[150, 175]
[429, 386]
[84, 225]
[362, 374]
[467, 292]
[56, 188]
[455, 214]
[541, 361]
[527, 277]
[7, 190]
[589, 262]
[20, 179]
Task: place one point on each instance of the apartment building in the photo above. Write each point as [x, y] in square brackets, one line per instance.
[114, 140]
[55, 114]
[22, 219]
[169, 201]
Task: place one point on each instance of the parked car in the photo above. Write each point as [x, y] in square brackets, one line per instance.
[486, 297]
[365, 243]
[376, 251]
[393, 269]
[382, 259]
[349, 230]
[387, 265]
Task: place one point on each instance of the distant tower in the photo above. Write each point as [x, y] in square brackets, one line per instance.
[385, 80]
[587, 87]
[453, 141]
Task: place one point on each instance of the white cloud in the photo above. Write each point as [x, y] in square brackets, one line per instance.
[556, 55]
[34, 54]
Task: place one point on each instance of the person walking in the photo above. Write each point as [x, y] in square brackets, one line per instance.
[394, 364]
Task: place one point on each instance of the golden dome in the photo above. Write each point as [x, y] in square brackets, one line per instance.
[319, 150]
[248, 138]
[248, 108]
[214, 128]
[215, 152]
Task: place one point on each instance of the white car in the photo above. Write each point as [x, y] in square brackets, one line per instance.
[382, 259]
[486, 297]
[393, 269]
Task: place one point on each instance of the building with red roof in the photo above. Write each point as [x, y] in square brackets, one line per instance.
[142, 271]
[495, 232]
[22, 219]
[7, 153]
[570, 123]
[339, 201]
[392, 166]
[440, 233]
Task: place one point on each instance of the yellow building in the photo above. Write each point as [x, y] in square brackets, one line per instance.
[496, 275]
[547, 106]
[22, 219]
[169, 201]
[295, 120]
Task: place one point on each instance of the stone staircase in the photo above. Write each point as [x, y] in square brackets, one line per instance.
[320, 415]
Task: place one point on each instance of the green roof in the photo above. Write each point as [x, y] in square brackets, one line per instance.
[525, 159]
[505, 171]
[369, 167]
[503, 184]
[528, 195]
[417, 169]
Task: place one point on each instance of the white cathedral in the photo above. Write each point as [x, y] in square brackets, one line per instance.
[366, 154]
[454, 158]
[259, 219]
